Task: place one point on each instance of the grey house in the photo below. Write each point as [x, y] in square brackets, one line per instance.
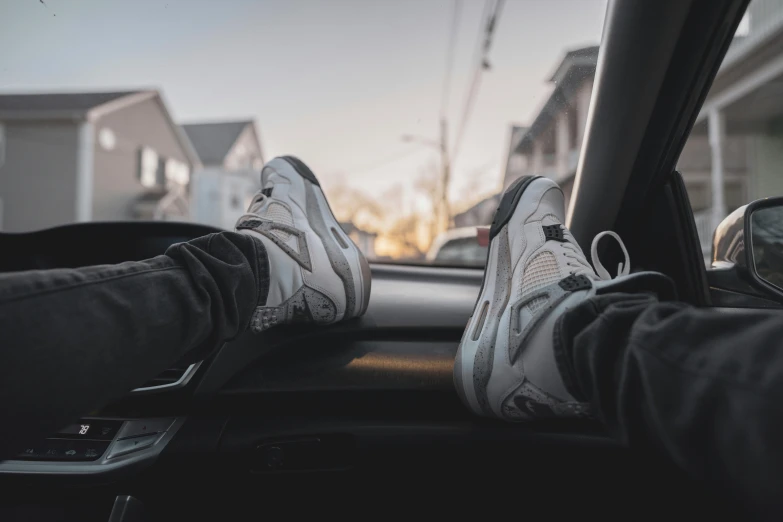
[734, 153]
[231, 157]
[230, 145]
[91, 156]
[550, 145]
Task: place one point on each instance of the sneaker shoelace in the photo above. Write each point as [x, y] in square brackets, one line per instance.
[577, 261]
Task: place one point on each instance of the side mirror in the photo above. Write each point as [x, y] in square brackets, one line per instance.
[764, 230]
[747, 255]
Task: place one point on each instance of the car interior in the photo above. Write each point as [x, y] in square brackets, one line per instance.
[363, 415]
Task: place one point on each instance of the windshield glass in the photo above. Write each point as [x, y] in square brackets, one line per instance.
[414, 115]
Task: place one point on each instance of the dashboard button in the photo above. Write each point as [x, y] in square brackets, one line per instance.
[125, 446]
[49, 449]
[134, 428]
[31, 452]
[81, 450]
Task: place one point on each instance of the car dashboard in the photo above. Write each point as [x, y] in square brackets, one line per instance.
[293, 412]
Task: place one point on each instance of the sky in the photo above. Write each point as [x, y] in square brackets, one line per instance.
[337, 83]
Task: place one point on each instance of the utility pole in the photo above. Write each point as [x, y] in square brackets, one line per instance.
[442, 208]
[445, 175]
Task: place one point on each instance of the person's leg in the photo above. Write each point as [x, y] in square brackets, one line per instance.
[72, 340]
[505, 364]
[702, 387]
[551, 337]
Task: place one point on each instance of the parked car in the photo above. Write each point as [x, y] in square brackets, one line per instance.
[458, 246]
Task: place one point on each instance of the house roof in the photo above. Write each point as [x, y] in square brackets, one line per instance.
[584, 56]
[213, 141]
[71, 105]
[75, 101]
[79, 106]
[575, 66]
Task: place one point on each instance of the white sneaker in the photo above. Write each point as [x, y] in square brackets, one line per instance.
[317, 274]
[505, 366]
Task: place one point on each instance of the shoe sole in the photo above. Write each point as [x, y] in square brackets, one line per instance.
[335, 241]
[477, 348]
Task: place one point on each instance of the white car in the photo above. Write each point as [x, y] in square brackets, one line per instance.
[458, 246]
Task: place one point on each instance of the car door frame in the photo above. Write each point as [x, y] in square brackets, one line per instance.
[656, 64]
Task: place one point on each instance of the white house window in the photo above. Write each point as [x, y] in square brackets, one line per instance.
[148, 167]
[107, 139]
[177, 172]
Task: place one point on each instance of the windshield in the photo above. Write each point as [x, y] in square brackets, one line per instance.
[414, 115]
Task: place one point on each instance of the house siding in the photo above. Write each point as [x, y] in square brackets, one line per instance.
[220, 198]
[38, 177]
[695, 164]
[244, 154]
[768, 161]
[116, 182]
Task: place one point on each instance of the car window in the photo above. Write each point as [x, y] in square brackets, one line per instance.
[464, 251]
[734, 154]
[414, 115]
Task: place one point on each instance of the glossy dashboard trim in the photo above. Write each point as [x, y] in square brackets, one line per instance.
[183, 381]
[405, 341]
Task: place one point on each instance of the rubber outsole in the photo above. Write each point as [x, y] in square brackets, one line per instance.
[506, 207]
[303, 170]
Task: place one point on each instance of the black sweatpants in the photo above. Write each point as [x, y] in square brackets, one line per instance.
[73, 340]
[702, 387]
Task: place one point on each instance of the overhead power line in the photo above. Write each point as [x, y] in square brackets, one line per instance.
[492, 11]
[444, 100]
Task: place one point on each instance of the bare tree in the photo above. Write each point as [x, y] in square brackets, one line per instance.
[404, 232]
[410, 230]
[429, 185]
[353, 205]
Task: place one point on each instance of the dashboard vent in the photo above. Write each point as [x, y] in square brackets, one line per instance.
[170, 379]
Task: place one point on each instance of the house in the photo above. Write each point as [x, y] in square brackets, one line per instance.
[91, 156]
[481, 213]
[231, 157]
[550, 145]
[735, 151]
[363, 239]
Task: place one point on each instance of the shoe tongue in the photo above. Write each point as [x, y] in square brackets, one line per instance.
[261, 201]
[274, 210]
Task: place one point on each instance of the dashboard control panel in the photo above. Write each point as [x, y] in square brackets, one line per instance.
[96, 446]
[85, 441]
